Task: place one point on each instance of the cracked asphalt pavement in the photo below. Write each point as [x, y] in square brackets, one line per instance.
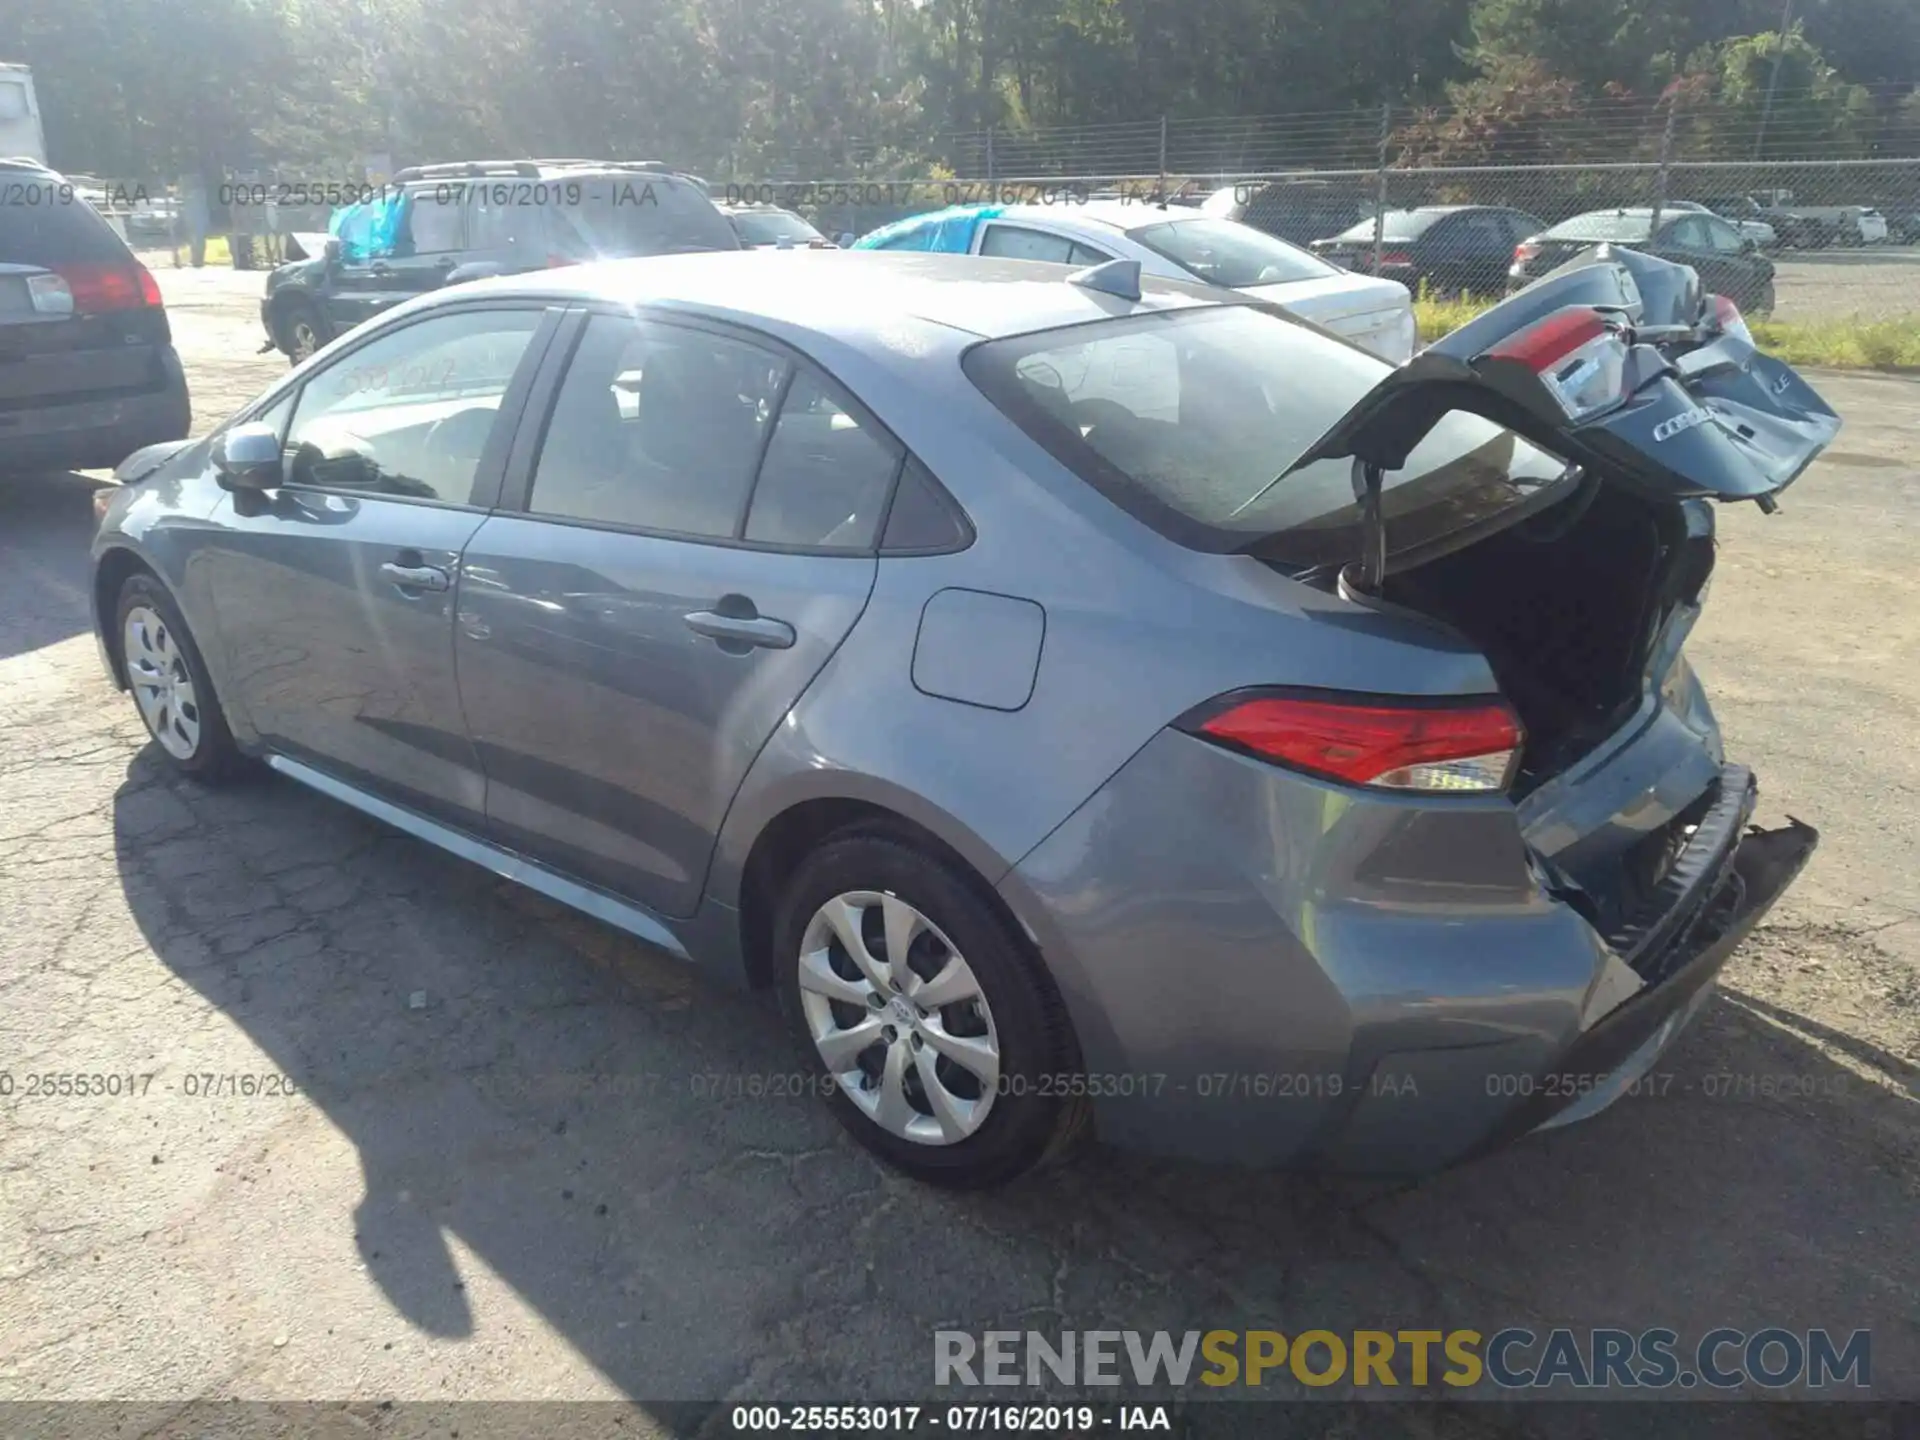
[488, 1156]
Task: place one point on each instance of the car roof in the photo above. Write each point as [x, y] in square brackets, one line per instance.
[850, 294]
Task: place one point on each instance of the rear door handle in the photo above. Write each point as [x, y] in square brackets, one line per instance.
[744, 632]
[417, 577]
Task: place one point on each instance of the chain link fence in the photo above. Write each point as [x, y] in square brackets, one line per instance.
[1826, 185]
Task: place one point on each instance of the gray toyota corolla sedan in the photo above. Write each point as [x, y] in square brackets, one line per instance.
[1087, 701]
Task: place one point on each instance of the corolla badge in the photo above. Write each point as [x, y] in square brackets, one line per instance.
[1689, 420]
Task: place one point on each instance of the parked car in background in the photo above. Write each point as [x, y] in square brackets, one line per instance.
[440, 225]
[1447, 249]
[1758, 231]
[1903, 225]
[1297, 211]
[1001, 668]
[22, 136]
[1871, 224]
[88, 372]
[765, 227]
[1175, 242]
[1728, 263]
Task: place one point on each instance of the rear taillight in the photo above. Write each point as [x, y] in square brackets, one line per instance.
[1473, 746]
[96, 287]
[1525, 251]
[1580, 356]
[1724, 318]
[1395, 257]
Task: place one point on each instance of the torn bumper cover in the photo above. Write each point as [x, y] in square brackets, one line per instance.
[1717, 891]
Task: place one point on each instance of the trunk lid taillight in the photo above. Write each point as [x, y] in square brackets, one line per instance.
[1470, 746]
[1525, 251]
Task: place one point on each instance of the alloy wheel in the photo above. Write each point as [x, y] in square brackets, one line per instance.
[305, 339]
[162, 683]
[899, 1018]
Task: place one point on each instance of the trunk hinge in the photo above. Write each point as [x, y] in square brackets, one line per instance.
[1368, 479]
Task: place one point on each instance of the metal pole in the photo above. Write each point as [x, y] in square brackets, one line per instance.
[1380, 189]
[1773, 82]
[989, 154]
[1666, 162]
[1161, 193]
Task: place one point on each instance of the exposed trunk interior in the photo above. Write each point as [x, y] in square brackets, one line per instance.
[1566, 607]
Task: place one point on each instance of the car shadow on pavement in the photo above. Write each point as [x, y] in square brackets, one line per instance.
[46, 529]
[621, 1149]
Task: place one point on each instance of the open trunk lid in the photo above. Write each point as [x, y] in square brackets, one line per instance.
[1618, 363]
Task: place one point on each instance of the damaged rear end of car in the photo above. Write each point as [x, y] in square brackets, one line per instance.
[1460, 910]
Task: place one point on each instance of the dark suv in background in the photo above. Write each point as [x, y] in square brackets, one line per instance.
[88, 372]
[466, 221]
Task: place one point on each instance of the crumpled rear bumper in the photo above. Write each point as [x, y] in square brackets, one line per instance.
[1265, 969]
[1688, 955]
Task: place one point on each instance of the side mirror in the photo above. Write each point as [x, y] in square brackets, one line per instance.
[247, 457]
[1748, 245]
[330, 252]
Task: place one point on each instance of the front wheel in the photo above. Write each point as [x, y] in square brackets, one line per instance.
[941, 1043]
[169, 681]
[300, 331]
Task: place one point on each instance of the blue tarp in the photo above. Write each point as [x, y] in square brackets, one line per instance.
[373, 227]
[944, 232]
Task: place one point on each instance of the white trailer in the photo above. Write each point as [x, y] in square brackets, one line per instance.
[20, 134]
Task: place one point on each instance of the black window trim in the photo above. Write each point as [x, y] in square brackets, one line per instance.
[515, 495]
[488, 476]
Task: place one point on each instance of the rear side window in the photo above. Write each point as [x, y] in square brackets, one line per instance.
[639, 214]
[1404, 226]
[44, 222]
[824, 482]
[435, 221]
[1224, 252]
[1187, 418]
[1598, 227]
[658, 427]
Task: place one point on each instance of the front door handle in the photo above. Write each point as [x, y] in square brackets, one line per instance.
[417, 577]
[742, 632]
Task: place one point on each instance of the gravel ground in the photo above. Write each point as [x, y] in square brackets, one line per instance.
[1879, 283]
[516, 1190]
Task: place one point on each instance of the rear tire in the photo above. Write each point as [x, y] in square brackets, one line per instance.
[1764, 303]
[953, 1061]
[170, 685]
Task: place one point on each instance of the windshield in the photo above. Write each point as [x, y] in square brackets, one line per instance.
[1225, 252]
[643, 214]
[768, 227]
[1402, 225]
[1184, 418]
[1603, 225]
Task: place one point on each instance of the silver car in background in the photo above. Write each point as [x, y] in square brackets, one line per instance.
[1087, 700]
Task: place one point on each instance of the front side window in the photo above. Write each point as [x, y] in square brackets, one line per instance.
[658, 427]
[409, 414]
[1224, 252]
[642, 213]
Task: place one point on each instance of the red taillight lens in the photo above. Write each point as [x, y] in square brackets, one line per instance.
[1395, 257]
[97, 288]
[1579, 355]
[1724, 318]
[1523, 252]
[1464, 747]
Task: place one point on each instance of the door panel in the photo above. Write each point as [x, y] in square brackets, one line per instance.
[613, 732]
[336, 590]
[618, 684]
